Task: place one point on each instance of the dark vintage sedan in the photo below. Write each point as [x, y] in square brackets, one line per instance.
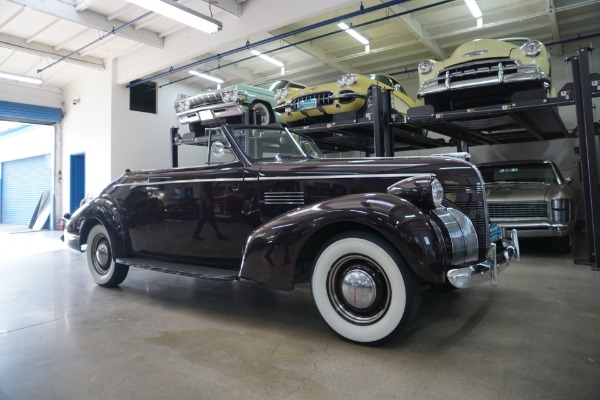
[533, 197]
[366, 233]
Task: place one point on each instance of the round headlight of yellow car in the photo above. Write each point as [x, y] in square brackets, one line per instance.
[347, 79]
[425, 66]
[532, 48]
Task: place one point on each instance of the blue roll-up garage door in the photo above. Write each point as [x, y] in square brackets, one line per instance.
[23, 182]
[29, 113]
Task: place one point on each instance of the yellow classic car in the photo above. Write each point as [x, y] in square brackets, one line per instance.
[485, 72]
[351, 93]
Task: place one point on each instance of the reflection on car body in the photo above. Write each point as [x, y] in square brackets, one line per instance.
[367, 233]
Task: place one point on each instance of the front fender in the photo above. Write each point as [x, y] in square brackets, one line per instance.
[103, 210]
[273, 250]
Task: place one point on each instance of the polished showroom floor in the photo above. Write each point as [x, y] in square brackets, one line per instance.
[162, 336]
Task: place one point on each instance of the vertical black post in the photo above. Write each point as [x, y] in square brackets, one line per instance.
[585, 123]
[174, 147]
[378, 121]
[388, 140]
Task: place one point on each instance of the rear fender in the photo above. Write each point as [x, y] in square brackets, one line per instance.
[273, 251]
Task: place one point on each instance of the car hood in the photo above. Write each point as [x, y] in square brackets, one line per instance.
[516, 192]
[479, 50]
[445, 168]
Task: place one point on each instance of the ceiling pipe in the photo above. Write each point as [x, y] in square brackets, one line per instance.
[212, 58]
[112, 32]
[248, 46]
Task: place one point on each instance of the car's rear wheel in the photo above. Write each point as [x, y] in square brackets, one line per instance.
[363, 289]
[101, 259]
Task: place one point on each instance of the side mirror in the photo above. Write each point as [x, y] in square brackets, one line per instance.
[568, 180]
[218, 149]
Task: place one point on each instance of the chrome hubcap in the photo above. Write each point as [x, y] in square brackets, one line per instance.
[102, 254]
[358, 289]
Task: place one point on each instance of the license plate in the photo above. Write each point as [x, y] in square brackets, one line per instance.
[307, 104]
[206, 115]
[495, 233]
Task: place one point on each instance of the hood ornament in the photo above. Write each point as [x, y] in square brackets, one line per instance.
[475, 53]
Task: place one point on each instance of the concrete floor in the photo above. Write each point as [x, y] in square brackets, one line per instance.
[161, 336]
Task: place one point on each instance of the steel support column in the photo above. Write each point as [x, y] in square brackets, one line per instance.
[589, 164]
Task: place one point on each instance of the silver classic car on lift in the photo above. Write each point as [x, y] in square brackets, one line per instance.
[533, 197]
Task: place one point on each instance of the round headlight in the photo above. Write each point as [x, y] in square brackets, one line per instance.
[284, 93]
[437, 192]
[180, 106]
[233, 95]
[341, 81]
[425, 66]
[532, 48]
[277, 94]
[351, 79]
[226, 97]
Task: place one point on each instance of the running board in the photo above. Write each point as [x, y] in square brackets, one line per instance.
[193, 271]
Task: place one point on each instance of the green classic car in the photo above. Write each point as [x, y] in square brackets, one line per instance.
[213, 107]
[351, 94]
[485, 72]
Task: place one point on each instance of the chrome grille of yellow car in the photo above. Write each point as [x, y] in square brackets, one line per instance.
[323, 99]
[483, 69]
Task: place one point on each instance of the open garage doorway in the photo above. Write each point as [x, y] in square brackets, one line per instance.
[26, 171]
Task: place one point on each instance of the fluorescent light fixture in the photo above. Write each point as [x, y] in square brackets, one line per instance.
[206, 76]
[20, 78]
[474, 8]
[480, 22]
[175, 11]
[267, 58]
[353, 33]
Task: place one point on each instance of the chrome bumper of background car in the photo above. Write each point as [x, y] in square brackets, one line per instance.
[433, 86]
[537, 229]
[489, 269]
[211, 113]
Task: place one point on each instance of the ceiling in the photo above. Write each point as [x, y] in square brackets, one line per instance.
[36, 34]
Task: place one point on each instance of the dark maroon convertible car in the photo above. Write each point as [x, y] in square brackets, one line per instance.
[367, 233]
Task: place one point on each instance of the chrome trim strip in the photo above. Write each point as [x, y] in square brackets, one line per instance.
[284, 198]
[462, 232]
[273, 178]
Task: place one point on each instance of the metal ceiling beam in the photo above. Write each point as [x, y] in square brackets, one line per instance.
[233, 6]
[90, 19]
[417, 29]
[11, 42]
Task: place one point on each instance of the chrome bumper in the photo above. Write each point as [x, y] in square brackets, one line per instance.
[536, 229]
[488, 270]
[435, 86]
[211, 113]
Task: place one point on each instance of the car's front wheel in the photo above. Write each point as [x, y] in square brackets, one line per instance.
[264, 112]
[101, 259]
[363, 289]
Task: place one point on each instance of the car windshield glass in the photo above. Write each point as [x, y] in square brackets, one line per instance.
[537, 173]
[275, 143]
[272, 86]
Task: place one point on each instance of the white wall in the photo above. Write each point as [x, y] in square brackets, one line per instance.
[86, 129]
[30, 94]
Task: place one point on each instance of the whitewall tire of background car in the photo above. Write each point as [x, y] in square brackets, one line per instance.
[363, 289]
[266, 114]
[101, 260]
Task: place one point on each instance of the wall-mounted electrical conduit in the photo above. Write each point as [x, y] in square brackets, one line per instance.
[112, 32]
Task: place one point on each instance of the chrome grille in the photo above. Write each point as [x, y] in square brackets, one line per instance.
[483, 69]
[536, 209]
[205, 98]
[470, 199]
[284, 198]
[323, 99]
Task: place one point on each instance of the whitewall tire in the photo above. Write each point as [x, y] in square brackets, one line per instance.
[101, 259]
[363, 289]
